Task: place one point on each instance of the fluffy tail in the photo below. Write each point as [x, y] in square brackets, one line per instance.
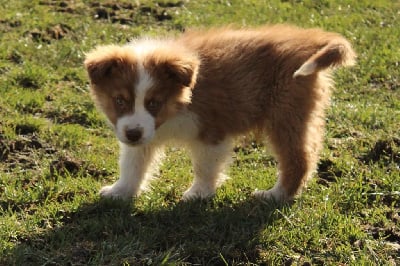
[338, 52]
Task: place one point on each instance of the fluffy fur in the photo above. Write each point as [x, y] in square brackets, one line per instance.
[203, 88]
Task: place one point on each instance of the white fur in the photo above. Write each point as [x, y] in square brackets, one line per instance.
[137, 165]
[143, 46]
[277, 193]
[306, 69]
[141, 118]
[209, 162]
[179, 130]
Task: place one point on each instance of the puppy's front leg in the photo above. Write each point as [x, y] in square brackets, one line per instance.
[209, 162]
[134, 163]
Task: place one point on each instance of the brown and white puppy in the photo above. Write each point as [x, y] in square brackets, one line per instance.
[204, 88]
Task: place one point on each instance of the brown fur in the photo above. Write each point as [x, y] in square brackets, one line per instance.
[246, 83]
[112, 72]
[175, 75]
[241, 81]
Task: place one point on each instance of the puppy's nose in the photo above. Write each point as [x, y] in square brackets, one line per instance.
[134, 134]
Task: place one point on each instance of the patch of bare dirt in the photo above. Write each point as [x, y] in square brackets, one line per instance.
[15, 57]
[28, 150]
[6, 25]
[25, 129]
[390, 233]
[58, 31]
[19, 152]
[328, 172]
[55, 32]
[64, 165]
[384, 150]
[61, 6]
[126, 13]
[121, 12]
[80, 118]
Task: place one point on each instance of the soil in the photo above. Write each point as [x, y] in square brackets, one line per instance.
[328, 172]
[122, 12]
[384, 150]
[27, 152]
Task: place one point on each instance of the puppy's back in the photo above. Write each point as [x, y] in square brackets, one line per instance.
[272, 46]
[247, 73]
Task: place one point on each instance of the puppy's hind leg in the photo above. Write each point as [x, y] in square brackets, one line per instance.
[136, 167]
[297, 144]
[209, 162]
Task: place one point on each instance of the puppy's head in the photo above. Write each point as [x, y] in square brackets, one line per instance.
[140, 86]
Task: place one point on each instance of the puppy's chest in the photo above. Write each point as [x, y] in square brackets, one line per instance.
[181, 128]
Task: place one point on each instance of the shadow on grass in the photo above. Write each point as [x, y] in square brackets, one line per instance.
[113, 232]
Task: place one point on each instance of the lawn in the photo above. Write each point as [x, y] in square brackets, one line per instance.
[56, 150]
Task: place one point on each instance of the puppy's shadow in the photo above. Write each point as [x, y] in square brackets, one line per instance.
[198, 232]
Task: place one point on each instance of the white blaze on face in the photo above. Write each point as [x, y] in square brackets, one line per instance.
[139, 127]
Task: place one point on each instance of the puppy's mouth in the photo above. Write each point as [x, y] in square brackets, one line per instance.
[132, 137]
[133, 144]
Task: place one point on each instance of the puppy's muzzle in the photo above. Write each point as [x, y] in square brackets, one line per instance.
[134, 134]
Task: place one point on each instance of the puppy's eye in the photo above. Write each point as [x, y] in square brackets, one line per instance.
[119, 101]
[153, 105]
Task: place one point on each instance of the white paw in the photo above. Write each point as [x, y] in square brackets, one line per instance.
[276, 194]
[198, 192]
[116, 192]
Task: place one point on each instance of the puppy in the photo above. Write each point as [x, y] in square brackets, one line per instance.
[204, 88]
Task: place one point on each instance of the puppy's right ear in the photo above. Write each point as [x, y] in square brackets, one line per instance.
[105, 61]
[99, 70]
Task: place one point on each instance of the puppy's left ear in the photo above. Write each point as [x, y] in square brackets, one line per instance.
[182, 70]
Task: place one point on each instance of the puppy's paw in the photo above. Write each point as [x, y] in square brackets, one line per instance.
[198, 192]
[116, 192]
[276, 194]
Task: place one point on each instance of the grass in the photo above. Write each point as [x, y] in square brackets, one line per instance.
[56, 151]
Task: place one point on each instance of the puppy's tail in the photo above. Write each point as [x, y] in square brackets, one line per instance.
[337, 52]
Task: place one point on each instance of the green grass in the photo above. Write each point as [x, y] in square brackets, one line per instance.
[56, 150]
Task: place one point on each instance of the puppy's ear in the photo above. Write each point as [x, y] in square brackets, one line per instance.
[99, 70]
[182, 70]
[174, 66]
[106, 61]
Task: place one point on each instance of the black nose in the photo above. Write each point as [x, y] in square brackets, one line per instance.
[134, 134]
